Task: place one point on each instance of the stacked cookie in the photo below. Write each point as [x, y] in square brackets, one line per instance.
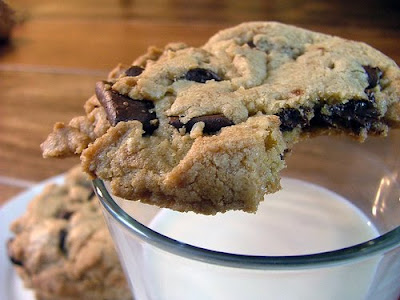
[62, 248]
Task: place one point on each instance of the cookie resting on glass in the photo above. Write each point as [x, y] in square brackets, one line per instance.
[207, 129]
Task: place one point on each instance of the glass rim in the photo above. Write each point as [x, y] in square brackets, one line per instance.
[379, 245]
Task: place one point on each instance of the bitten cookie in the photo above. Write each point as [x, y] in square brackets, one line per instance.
[62, 249]
[205, 129]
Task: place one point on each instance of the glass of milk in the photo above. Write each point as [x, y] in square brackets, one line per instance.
[332, 232]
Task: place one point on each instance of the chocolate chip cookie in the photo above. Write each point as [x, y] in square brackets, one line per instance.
[62, 248]
[206, 129]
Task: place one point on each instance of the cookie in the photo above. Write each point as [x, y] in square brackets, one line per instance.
[7, 21]
[206, 129]
[62, 248]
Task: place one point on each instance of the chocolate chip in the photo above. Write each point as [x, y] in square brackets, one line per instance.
[201, 75]
[15, 261]
[120, 108]
[92, 194]
[374, 75]
[251, 44]
[354, 115]
[65, 214]
[212, 123]
[134, 71]
[61, 243]
[292, 118]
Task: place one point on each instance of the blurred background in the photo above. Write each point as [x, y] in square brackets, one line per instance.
[57, 50]
[99, 33]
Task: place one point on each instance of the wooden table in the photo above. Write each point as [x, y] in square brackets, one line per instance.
[61, 48]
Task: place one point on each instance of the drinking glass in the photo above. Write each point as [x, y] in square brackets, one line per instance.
[163, 266]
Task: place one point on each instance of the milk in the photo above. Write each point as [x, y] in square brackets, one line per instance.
[300, 219]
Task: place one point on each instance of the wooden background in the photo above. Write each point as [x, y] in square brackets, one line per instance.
[61, 48]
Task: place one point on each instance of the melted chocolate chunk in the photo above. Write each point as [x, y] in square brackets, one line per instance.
[61, 242]
[212, 123]
[354, 115]
[374, 75]
[291, 118]
[134, 71]
[15, 261]
[66, 215]
[201, 75]
[120, 108]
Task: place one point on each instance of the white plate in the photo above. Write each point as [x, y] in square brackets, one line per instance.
[11, 286]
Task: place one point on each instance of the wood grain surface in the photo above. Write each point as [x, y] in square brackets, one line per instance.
[59, 49]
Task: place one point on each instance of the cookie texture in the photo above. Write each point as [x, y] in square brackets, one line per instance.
[62, 248]
[206, 129]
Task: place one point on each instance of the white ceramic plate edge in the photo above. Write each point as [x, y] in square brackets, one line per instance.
[11, 286]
